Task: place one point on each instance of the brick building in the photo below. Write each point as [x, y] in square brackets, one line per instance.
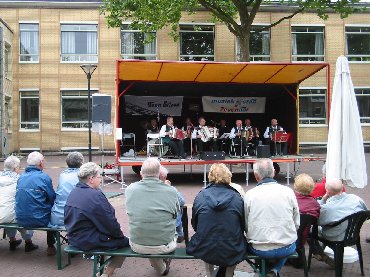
[51, 39]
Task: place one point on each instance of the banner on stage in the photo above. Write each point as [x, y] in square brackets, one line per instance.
[233, 104]
[144, 105]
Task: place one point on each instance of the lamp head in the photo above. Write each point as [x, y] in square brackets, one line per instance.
[88, 68]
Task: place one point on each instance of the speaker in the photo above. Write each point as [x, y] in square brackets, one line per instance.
[208, 156]
[101, 108]
[263, 151]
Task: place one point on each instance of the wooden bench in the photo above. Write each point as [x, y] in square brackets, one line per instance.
[58, 236]
[257, 263]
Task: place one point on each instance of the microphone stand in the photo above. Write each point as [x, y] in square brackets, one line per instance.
[241, 142]
[275, 142]
[191, 143]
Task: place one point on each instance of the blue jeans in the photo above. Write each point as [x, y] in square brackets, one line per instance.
[282, 253]
[26, 234]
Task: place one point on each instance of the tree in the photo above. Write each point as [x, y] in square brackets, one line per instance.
[237, 15]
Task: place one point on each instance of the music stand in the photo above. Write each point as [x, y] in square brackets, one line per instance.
[279, 137]
[223, 138]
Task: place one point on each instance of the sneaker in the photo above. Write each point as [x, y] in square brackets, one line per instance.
[180, 239]
[51, 251]
[30, 247]
[14, 244]
[167, 262]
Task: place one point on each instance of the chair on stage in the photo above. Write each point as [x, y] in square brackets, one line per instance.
[154, 145]
[128, 142]
[235, 149]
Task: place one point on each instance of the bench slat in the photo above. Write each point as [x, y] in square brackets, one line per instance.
[16, 226]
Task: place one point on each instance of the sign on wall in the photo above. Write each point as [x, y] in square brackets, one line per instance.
[233, 104]
[144, 105]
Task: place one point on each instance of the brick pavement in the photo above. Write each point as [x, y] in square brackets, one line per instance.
[19, 263]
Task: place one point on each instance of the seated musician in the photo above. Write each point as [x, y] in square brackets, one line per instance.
[237, 136]
[152, 128]
[168, 135]
[253, 136]
[205, 138]
[269, 138]
[188, 128]
[223, 143]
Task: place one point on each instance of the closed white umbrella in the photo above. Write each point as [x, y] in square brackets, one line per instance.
[345, 158]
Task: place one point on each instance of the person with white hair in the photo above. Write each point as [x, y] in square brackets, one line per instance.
[35, 197]
[8, 183]
[152, 207]
[335, 205]
[90, 219]
[68, 180]
[319, 189]
[271, 217]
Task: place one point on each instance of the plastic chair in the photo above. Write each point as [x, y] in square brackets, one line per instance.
[154, 144]
[128, 142]
[351, 237]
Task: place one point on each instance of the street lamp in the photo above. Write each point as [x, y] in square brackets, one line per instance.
[89, 70]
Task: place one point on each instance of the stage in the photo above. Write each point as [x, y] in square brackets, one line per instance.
[288, 160]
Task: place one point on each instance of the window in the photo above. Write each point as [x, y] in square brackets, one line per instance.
[134, 44]
[363, 102]
[259, 45]
[74, 108]
[79, 43]
[197, 43]
[7, 61]
[358, 44]
[30, 119]
[308, 43]
[312, 106]
[29, 42]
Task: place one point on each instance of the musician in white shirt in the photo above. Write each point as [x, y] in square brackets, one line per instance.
[168, 135]
[203, 139]
[269, 134]
[237, 135]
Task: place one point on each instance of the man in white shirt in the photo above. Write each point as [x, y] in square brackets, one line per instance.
[238, 140]
[167, 133]
[269, 138]
[271, 217]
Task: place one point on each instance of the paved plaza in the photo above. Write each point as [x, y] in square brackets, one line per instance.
[19, 263]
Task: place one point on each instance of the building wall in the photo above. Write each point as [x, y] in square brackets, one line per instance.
[49, 76]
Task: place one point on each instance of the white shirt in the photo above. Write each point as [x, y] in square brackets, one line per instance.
[234, 131]
[267, 131]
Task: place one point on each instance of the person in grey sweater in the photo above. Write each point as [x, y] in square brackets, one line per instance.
[152, 207]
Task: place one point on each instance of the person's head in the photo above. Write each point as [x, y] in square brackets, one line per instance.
[163, 172]
[150, 168]
[274, 122]
[304, 184]
[36, 159]
[74, 159]
[222, 122]
[334, 187]
[188, 121]
[263, 168]
[153, 122]
[170, 120]
[90, 174]
[247, 122]
[202, 121]
[238, 123]
[219, 174]
[12, 164]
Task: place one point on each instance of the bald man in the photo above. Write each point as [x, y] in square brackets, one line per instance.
[335, 205]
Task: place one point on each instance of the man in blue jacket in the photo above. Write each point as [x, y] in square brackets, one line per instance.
[35, 197]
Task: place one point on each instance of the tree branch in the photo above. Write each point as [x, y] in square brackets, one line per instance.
[281, 19]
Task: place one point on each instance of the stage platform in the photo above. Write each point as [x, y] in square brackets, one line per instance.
[192, 161]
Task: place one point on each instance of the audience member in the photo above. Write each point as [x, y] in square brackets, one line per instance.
[335, 205]
[90, 219]
[152, 208]
[179, 230]
[8, 185]
[35, 197]
[218, 222]
[319, 189]
[66, 183]
[271, 217]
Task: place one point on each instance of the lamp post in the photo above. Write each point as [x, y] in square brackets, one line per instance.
[89, 70]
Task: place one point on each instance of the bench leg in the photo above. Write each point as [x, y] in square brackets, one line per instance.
[96, 261]
[59, 250]
[263, 268]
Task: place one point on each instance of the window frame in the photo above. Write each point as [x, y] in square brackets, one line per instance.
[366, 95]
[346, 42]
[38, 37]
[294, 57]
[20, 110]
[155, 55]
[184, 31]
[325, 94]
[77, 129]
[97, 41]
[252, 57]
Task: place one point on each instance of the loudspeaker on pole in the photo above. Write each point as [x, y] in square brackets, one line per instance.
[101, 108]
